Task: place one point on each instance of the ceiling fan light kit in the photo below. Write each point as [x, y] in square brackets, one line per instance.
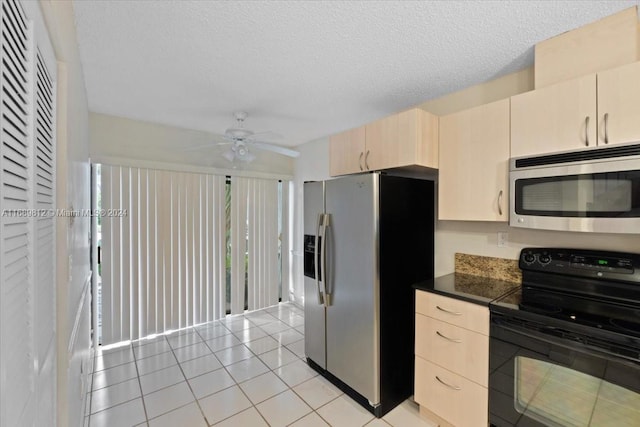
[239, 151]
[229, 155]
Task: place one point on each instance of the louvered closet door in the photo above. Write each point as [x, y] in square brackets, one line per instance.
[44, 187]
[17, 300]
[27, 240]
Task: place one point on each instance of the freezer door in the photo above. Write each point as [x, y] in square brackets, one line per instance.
[352, 283]
[314, 311]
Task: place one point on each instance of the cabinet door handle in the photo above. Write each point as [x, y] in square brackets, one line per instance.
[366, 160]
[606, 128]
[500, 203]
[457, 341]
[455, 313]
[586, 130]
[453, 387]
[360, 160]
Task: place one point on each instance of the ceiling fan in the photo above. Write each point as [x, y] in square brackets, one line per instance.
[242, 140]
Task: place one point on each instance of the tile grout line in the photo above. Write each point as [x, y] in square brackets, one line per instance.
[313, 410]
[206, 420]
[223, 366]
[271, 370]
[179, 364]
[165, 338]
[113, 406]
[144, 404]
[236, 383]
[240, 388]
[257, 356]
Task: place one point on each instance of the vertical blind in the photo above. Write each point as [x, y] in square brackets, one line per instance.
[165, 255]
[27, 229]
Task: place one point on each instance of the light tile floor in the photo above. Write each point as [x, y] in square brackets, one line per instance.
[244, 371]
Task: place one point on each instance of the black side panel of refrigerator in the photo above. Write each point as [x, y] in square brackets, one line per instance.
[406, 257]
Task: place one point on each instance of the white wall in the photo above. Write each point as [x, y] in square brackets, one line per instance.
[312, 165]
[481, 238]
[72, 239]
[114, 138]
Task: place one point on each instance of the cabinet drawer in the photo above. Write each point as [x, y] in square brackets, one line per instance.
[461, 402]
[454, 348]
[456, 312]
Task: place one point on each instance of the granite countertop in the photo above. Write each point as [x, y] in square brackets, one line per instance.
[467, 287]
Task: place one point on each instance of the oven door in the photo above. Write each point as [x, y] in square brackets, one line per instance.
[598, 196]
[539, 379]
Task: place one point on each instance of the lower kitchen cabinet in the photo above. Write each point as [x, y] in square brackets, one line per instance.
[452, 359]
[452, 397]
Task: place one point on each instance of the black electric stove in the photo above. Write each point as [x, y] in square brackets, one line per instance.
[587, 288]
[576, 317]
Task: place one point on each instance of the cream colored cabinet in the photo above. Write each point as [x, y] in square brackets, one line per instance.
[460, 350]
[595, 110]
[560, 117]
[405, 139]
[474, 164]
[619, 105]
[452, 360]
[452, 398]
[346, 153]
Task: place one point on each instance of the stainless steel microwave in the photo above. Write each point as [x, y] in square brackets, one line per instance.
[596, 190]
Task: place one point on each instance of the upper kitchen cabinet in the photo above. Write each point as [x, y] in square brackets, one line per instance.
[595, 110]
[403, 139]
[347, 150]
[409, 138]
[619, 105]
[607, 43]
[474, 170]
[560, 117]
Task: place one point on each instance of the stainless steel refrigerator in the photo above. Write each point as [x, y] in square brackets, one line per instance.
[367, 239]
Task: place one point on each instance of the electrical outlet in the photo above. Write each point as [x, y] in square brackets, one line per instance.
[503, 239]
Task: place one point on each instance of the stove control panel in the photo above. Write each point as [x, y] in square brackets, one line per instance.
[582, 262]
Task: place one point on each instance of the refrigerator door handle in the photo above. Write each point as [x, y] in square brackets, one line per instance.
[315, 258]
[323, 260]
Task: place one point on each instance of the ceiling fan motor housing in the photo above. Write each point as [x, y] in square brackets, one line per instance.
[238, 133]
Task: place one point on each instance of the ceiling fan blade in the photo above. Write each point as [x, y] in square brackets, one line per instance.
[275, 148]
[265, 136]
[216, 140]
[209, 145]
[199, 147]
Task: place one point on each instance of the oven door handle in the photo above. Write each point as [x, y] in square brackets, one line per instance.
[570, 344]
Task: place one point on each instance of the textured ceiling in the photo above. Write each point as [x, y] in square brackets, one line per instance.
[304, 69]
